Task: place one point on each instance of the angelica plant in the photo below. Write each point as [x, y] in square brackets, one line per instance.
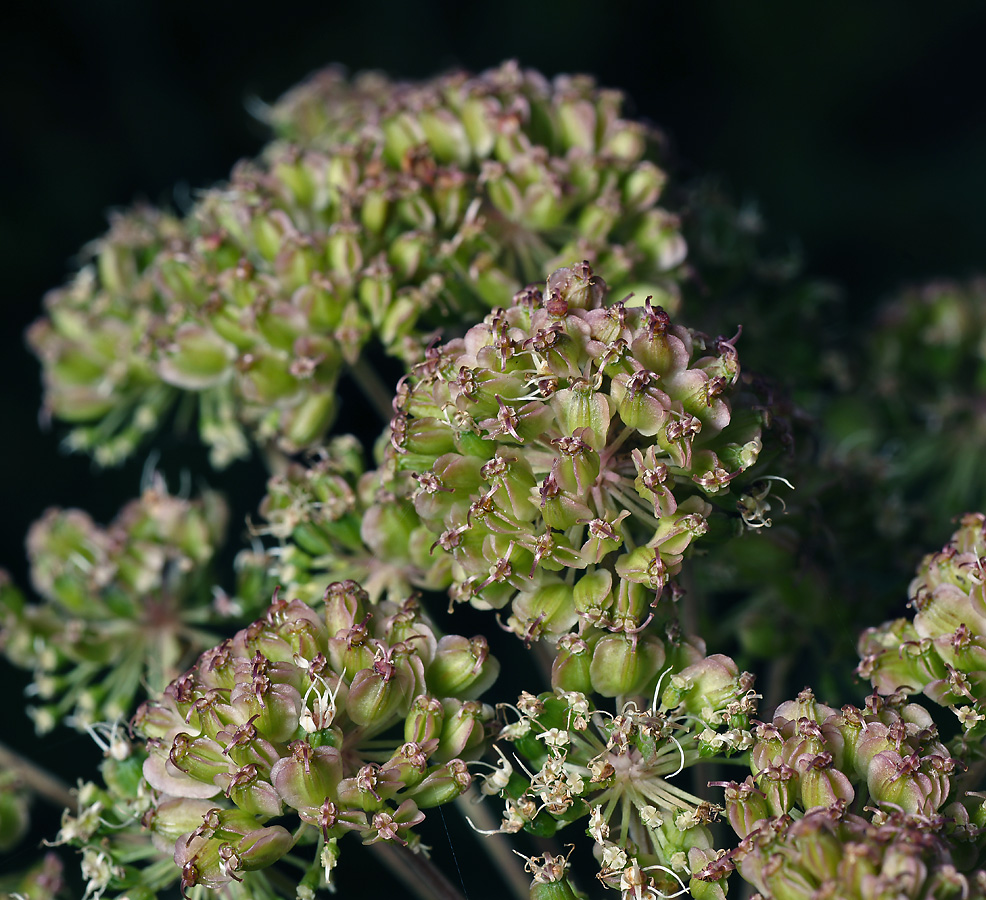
[557, 586]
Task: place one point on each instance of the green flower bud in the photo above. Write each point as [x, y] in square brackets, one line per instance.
[442, 785]
[622, 665]
[463, 729]
[462, 668]
[306, 778]
[570, 670]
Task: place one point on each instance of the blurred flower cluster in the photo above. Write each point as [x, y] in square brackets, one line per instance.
[941, 651]
[411, 206]
[121, 608]
[552, 444]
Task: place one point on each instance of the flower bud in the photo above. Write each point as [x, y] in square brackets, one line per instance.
[463, 729]
[423, 722]
[462, 668]
[621, 665]
[306, 778]
[442, 785]
[570, 670]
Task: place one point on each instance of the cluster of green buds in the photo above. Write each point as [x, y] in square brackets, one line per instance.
[941, 652]
[350, 718]
[831, 853]
[885, 757]
[551, 170]
[619, 770]
[567, 451]
[331, 516]
[444, 204]
[121, 607]
[95, 342]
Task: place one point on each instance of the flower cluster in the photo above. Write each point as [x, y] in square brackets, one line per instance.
[353, 719]
[331, 516]
[811, 755]
[121, 606]
[566, 450]
[444, 198]
[941, 652]
[619, 771]
[815, 769]
[832, 853]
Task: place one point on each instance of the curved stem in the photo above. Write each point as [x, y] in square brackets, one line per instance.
[373, 388]
[470, 804]
[418, 873]
[39, 780]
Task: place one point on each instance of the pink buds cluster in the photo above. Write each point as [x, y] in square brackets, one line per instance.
[941, 651]
[885, 757]
[349, 718]
[830, 852]
[564, 453]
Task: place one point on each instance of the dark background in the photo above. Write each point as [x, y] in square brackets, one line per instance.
[859, 129]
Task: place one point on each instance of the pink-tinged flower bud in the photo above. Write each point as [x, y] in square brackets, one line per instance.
[575, 288]
[200, 757]
[369, 788]
[640, 403]
[780, 785]
[462, 668]
[306, 778]
[213, 862]
[745, 805]
[442, 785]
[582, 409]
[250, 790]
[276, 707]
[377, 695]
[424, 720]
[544, 609]
[623, 665]
[570, 670]
[822, 784]
[409, 764]
[918, 786]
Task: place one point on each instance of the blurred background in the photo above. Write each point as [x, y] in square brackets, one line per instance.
[857, 130]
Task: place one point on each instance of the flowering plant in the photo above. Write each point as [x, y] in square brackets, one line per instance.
[560, 580]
